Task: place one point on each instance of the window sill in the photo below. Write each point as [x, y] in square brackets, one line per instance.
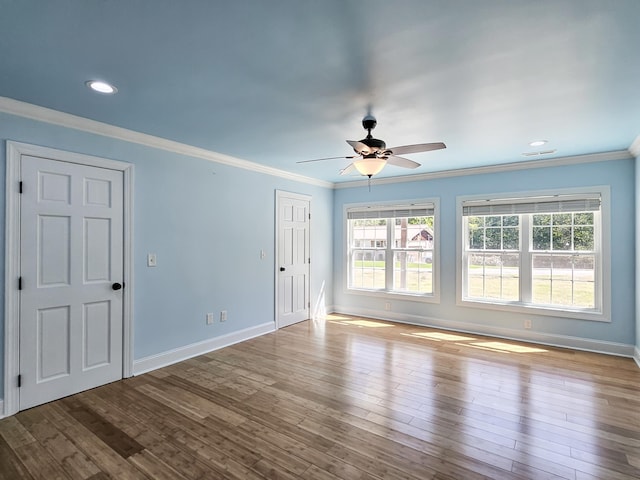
[590, 315]
[410, 297]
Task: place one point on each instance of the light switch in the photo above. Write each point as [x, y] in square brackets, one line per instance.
[152, 261]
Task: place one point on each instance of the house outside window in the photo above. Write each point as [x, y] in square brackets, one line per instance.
[542, 254]
[399, 257]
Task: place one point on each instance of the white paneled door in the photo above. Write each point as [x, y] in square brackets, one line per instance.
[293, 258]
[71, 276]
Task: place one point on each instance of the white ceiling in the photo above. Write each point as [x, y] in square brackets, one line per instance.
[279, 81]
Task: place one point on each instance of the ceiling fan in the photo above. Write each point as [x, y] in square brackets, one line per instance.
[372, 154]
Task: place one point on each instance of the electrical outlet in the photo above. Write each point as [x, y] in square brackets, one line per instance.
[527, 323]
[209, 318]
[152, 260]
[387, 306]
[223, 316]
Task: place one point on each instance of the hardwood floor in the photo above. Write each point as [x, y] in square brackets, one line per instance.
[350, 398]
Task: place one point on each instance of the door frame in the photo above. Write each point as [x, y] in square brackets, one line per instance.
[276, 266]
[15, 151]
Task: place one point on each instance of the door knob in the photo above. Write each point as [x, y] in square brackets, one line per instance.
[282, 269]
[116, 286]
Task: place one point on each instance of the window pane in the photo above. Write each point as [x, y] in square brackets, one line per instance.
[368, 269]
[561, 219]
[412, 272]
[510, 238]
[561, 238]
[492, 239]
[510, 220]
[414, 232]
[564, 280]
[476, 238]
[494, 276]
[583, 238]
[475, 276]
[585, 218]
[541, 238]
[544, 219]
[368, 232]
[493, 221]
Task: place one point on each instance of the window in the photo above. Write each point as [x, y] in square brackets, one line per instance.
[536, 252]
[391, 249]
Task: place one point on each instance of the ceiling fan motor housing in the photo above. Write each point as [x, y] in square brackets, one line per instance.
[374, 144]
[369, 123]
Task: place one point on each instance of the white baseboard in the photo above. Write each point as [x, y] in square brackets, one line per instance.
[176, 355]
[575, 343]
[2, 412]
[636, 355]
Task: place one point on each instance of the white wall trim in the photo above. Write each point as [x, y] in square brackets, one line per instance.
[15, 151]
[47, 115]
[634, 148]
[2, 414]
[564, 341]
[636, 356]
[503, 167]
[153, 362]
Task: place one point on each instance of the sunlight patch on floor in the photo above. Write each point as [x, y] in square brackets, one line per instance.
[364, 323]
[439, 336]
[504, 347]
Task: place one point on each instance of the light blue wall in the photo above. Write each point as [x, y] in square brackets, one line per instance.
[619, 174]
[206, 222]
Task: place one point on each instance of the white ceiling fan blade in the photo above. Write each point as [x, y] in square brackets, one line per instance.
[421, 147]
[327, 158]
[360, 147]
[402, 162]
[348, 169]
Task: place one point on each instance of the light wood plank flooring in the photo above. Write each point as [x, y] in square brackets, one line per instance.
[349, 398]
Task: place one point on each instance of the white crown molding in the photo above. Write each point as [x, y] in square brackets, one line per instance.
[634, 149]
[67, 120]
[503, 167]
[550, 339]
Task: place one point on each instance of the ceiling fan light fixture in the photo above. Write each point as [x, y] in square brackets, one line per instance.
[370, 166]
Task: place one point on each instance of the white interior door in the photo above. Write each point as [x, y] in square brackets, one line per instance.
[293, 258]
[71, 244]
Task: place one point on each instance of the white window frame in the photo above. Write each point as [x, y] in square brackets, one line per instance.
[602, 248]
[388, 293]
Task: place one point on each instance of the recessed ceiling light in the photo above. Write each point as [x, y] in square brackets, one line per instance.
[537, 143]
[101, 87]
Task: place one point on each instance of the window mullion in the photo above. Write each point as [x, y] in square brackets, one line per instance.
[389, 260]
[526, 260]
[597, 254]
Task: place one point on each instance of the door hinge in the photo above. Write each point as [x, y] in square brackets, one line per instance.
[309, 259]
[308, 304]
[309, 214]
[19, 380]
[20, 187]
[19, 283]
